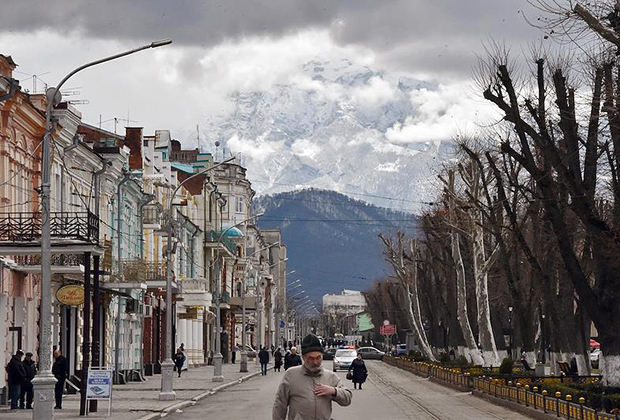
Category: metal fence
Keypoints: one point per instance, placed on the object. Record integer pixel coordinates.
(26, 227)
(537, 399)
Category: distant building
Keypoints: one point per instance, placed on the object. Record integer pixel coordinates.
(349, 302)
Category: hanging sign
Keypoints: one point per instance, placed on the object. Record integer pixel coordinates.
(70, 295)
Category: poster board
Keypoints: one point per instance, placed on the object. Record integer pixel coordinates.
(99, 386)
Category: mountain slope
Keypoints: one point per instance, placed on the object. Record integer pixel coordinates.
(340, 126)
(332, 240)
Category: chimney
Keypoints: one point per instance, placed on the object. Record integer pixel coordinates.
(133, 140)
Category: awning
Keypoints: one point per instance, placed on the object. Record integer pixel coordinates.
(594, 344)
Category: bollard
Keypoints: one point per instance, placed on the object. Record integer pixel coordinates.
(544, 394)
(535, 389)
(569, 398)
(558, 396)
(582, 401)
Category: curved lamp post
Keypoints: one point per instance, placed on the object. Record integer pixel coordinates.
(167, 367)
(44, 382)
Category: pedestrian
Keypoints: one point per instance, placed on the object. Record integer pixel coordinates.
(17, 376)
(263, 357)
(27, 389)
(235, 349)
(59, 370)
(292, 359)
(359, 371)
(306, 392)
(186, 361)
(179, 359)
(277, 360)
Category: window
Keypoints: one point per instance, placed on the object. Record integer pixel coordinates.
(240, 206)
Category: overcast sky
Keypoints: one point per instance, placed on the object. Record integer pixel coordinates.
(220, 47)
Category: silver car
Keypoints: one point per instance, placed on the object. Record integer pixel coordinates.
(371, 353)
(343, 358)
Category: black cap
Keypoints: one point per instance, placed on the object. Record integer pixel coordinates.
(311, 343)
(19, 353)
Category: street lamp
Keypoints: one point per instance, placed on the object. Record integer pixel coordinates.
(166, 392)
(217, 358)
(44, 382)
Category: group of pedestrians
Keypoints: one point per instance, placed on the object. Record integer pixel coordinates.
(291, 359)
(21, 373)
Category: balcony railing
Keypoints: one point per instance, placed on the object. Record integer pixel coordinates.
(64, 260)
(26, 227)
(151, 215)
(213, 237)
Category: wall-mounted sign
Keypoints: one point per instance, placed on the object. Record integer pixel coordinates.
(71, 295)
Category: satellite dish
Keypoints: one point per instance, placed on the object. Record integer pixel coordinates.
(53, 95)
(217, 143)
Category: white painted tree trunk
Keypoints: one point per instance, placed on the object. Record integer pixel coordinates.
(583, 364)
(461, 302)
(416, 321)
(609, 367)
(481, 267)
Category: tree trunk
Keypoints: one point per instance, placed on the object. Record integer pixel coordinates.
(461, 301)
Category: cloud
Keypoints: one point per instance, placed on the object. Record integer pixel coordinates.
(436, 35)
(440, 114)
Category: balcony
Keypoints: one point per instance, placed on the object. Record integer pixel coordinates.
(212, 238)
(71, 232)
(61, 263)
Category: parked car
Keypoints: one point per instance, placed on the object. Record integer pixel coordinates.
(329, 354)
(399, 350)
(343, 358)
(594, 357)
(371, 353)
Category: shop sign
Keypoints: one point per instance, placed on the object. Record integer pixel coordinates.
(70, 295)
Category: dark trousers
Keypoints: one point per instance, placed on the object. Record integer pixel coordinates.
(234, 356)
(26, 395)
(15, 393)
(58, 390)
(263, 368)
(179, 369)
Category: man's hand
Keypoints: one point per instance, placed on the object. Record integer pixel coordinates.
(324, 390)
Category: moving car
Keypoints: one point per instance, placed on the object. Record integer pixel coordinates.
(343, 358)
(400, 350)
(329, 354)
(371, 353)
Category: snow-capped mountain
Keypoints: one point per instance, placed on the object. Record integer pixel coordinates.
(339, 126)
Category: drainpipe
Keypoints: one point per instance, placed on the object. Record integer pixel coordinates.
(76, 141)
(147, 198)
(119, 269)
(13, 87)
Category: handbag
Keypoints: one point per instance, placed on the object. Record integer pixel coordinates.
(349, 375)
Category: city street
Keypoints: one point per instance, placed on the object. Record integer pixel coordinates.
(389, 393)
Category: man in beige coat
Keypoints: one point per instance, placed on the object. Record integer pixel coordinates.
(307, 391)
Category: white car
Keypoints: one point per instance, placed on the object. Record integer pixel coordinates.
(343, 358)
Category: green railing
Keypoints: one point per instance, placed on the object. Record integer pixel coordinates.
(559, 405)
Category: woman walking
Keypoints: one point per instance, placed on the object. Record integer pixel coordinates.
(179, 359)
(359, 371)
(277, 360)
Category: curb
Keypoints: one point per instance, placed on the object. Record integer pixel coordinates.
(183, 404)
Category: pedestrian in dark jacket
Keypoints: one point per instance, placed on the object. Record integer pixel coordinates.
(27, 393)
(179, 360)
(292, 359)
(277, 360)
(59, 370)
(359, 371)
(263, 358)
(17, 376)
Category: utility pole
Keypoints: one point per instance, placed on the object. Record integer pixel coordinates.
(44, 382)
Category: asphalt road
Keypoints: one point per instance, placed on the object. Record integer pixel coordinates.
(389, 393)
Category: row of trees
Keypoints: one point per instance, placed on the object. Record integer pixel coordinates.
(523, 248)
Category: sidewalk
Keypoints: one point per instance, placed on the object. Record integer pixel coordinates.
(139, 399)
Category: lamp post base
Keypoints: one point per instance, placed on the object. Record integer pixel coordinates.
(244, 362)
(167, 382)
(43, 385)
(217, 365)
